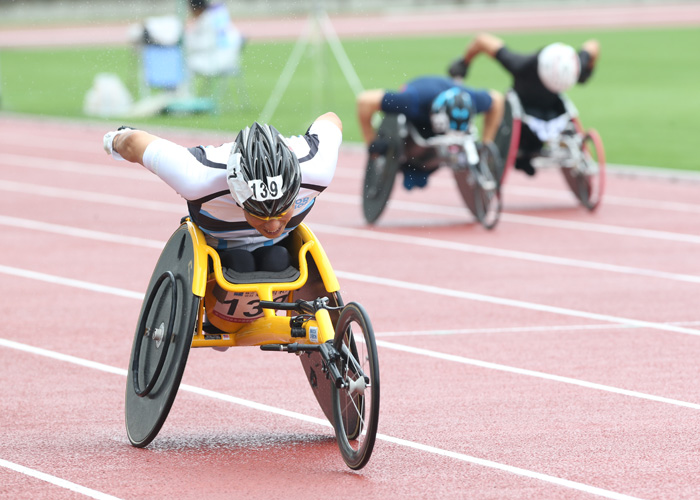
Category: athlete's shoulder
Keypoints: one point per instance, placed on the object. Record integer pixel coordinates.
(212, 154)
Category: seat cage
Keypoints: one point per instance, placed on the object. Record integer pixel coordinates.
(270, 328)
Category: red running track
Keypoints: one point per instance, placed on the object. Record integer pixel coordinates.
(551, 358)
(554, 357)
(614, 14)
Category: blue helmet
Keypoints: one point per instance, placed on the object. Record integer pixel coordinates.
(451, 109)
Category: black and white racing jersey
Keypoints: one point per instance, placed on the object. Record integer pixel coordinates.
(199, 175)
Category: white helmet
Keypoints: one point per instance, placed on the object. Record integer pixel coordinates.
(559, 67)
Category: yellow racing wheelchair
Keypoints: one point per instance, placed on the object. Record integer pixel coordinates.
(194, 302)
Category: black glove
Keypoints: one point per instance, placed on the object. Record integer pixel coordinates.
(458, 69)
(378, 147)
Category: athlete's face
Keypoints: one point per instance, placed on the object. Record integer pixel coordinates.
(272, 227)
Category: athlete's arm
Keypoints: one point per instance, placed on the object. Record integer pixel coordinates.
(368, 103)
(589, 53)
(493, 117)
(331, 117)
(323, 138)
(483, 43)
(131, 144)
(169, 161)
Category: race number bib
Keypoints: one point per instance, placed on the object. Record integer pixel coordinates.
(273, 190)
(239, 307)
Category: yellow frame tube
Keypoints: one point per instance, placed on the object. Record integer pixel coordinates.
(271, 328)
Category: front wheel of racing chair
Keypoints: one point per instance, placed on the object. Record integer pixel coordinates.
(383, 164)
(584, 170)
(480, 187)
(356, 402)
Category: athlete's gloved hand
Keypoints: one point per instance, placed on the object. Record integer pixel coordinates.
(108, 140)
(458, 69)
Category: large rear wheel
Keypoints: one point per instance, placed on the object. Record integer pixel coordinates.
(382, 166)
(585, 174)
(162, 341)
(356, 404)
(480, 187)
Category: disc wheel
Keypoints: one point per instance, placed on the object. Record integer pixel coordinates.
(585, 174)
(356, 404)
(381, 170)
(480, 187)
(161, 342)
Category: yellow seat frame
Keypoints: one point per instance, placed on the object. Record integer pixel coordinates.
(270, 328)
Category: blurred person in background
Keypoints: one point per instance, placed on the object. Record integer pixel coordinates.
(212, 42)
(538, 79)
(416, 100)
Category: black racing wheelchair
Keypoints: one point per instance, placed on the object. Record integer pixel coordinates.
(476, 166)
(560, 142)
(298, 310)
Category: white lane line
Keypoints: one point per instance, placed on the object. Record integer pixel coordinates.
(532, 306)
(511, 329)
(422, 208)
(497, 252)
(77, 232)
(59, 280)
(57, 481)
(404, 285)
(483, 364)
(314, 420)
(527, 219)
(102, 198)
(533, 373)
(124, 171)
(375, 236)
(671, 206)
(514, 329)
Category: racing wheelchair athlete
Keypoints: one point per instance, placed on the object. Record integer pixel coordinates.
(430, 124)
(541, 126)
(242, 269)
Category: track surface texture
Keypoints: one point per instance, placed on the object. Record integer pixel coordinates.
(554, 357)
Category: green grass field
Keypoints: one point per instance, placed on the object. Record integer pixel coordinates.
(643, 98)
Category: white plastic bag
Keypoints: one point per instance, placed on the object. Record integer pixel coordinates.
(108, 97)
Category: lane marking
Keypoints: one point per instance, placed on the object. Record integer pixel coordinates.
(404, 285)
(124, 171)
(56, 481)
(77, 232)
(323, 422)
(671, 206)
(528, 220)
(371, 235)
(143, 204)
(391, 345)
(102, 198)
(533, 373)
(59, 280)
(129, 172)
(515, 329)
(447, 292)
(497, 252)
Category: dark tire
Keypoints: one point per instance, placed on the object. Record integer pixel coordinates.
(382, 167)
(356, 405)
(586, 176)
(162, 341)
(480, 186)
(504, 140)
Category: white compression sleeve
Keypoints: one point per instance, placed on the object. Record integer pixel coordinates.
(181, 171)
